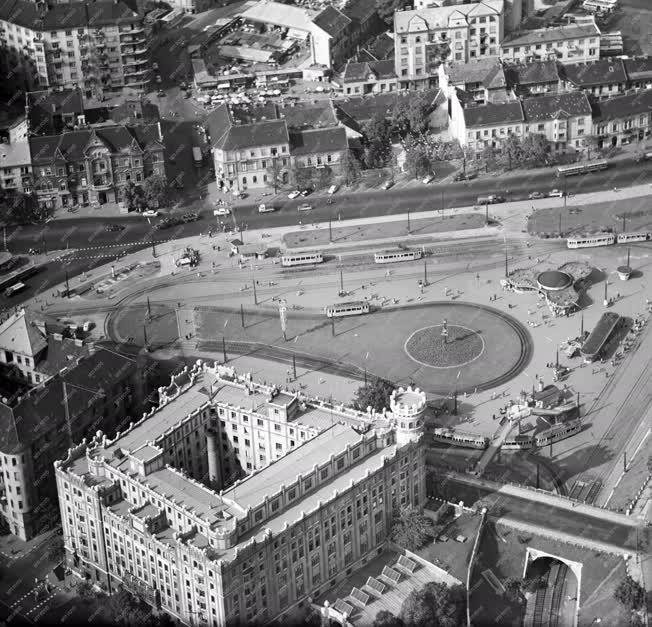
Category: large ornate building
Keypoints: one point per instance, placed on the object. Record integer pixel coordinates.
(322, 483)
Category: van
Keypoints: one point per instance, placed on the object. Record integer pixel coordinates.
(489, 200)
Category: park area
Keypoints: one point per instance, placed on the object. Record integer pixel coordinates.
(384, 229)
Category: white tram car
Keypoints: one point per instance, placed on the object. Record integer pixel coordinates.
(458, 438)
(301, 259)
(392, 256)
(347, 309)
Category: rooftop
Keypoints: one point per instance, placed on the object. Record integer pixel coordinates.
(318, 141)
(588, 74)
(493, 114)
(443, 17)
(639, 68)
(556, 106)
(550, 35)
(368, 70)
(532, 73)
(600, 334)
(19, 334)
(332, 21)
(279, 14)
(622, 106)
(488, 72)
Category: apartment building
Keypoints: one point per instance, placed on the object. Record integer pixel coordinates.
(516, 11)
(427, 37)
(15, 158)
(93, 389)
(251, 147)
(317, 503)
(99, 47)
(624, 119)
(533, 79)
(571, 43)
(94, 165)
(563, 119)
(483, 80)
(639, 72)
(602, 79)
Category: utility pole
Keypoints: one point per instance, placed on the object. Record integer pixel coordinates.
(425, 273)
(365, 375)
(242, 315)
(4, 238)
(145, 341)
(506, 263)
(149, 309)
(625, 461)
(455, 403)
(560, 233)
(557, 359)
(606, 283)
(253, 282)
(624, 222)
(332, 326)
(341, 281)
(330, 230)
(486, 213)
(408, 219)
(582, 325)
(224, 349)
(628, 253)
(154, 251)
(537, 476)
(294, 366)
(67, 286)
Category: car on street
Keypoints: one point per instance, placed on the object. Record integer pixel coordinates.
(222, 211)
(114, 227)
(306, 192)
(429, 179)
(492, 199)
(294, 194)
(305, 207)
(155, 65)
(462, 176)
(263, 208)
(190, 217)
(160, 93)
(167, 223)
(158, 78)
(556, 193)
(332, 189)
(150, 213)
(388, 184)
(536, 195)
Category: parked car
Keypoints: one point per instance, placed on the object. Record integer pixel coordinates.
(190, 217)
(388, 184)
(150, 213)
(305, 207)
(306, 192)
(294, 194)
(490, 200)
(536, 195)
(429, 179)
(263, 208)
(556, 193)
(114, 227)
(332, 189)
(222, 211)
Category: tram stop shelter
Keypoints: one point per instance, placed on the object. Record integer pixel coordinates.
(598, 338)
(561, 287)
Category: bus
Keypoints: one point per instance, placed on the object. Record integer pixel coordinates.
(590, 241)
(582, 168)
(301, 259)
(14, 289)
(558, 432)
(347, 309)
(391, 256)
(623, 238)
(459, 438)
(518, 442)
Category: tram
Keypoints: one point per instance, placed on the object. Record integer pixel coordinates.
(301, 259)
(582, 168)
(392, 256)
(558, 432)
(356, 308)
(458, 438)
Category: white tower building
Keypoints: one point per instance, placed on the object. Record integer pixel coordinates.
(408, 406)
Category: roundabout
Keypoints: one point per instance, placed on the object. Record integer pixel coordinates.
(444, 346)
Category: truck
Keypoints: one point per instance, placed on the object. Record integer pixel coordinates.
(197, 157)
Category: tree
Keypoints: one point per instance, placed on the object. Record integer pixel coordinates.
(19, 208)
(156, 190)
(350, 168)
(303, 177)
(384, 618)
(374, 394)
(274, 174)
(133, 197)
(533, 584)
(489, 158)
(417, 161)
(387, 8)
(56, 550)
(411, 529)
(535, 149)
(378, 144)
(590, 142)
(85, 589)
(630, 594)
(512, 150)
(513, 592)
(435, 605)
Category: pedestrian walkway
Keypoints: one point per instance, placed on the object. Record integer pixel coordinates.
(493, 448)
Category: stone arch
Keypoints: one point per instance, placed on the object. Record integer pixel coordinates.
(534, 554)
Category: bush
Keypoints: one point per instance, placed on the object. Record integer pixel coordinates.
(411, 529)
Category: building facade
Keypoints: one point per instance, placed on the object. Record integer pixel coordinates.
(93, 166)
(317, 505)
(622, 120)
(572, 43)
(483, 81)
(368, 77)
(99, 47)
(427, 37)
(97, 391)
(15, 158)
(516, 11)
(602, 79)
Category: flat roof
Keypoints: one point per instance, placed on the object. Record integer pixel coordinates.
(548, 35)
(300, 461)
(279, 15)
(600, 334)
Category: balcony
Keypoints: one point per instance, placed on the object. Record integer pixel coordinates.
(100, 183)
(131, 31)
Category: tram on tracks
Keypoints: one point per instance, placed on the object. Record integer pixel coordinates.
(356, 308)
(393, 256)
(301, 259)
(458, 438)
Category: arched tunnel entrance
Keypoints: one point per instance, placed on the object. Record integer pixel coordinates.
(553, 595)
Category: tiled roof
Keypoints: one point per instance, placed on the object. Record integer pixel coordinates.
(549, 35)
(41, 410)
(640, 68)
(71, 145)
(622, 106)
(66, 16)
(532, 73)
(555, 106)
(306, 115)
(493, 114)
(599, 72)
(361, 109)
(359, 10)
(441, 17)
(226, 135)
(489, 72)
(355, 72)
(19, 334)
(15, 154)
(318, 141)
(332, 21)
(279, 14)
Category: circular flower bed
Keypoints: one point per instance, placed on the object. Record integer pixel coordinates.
(428, 346)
